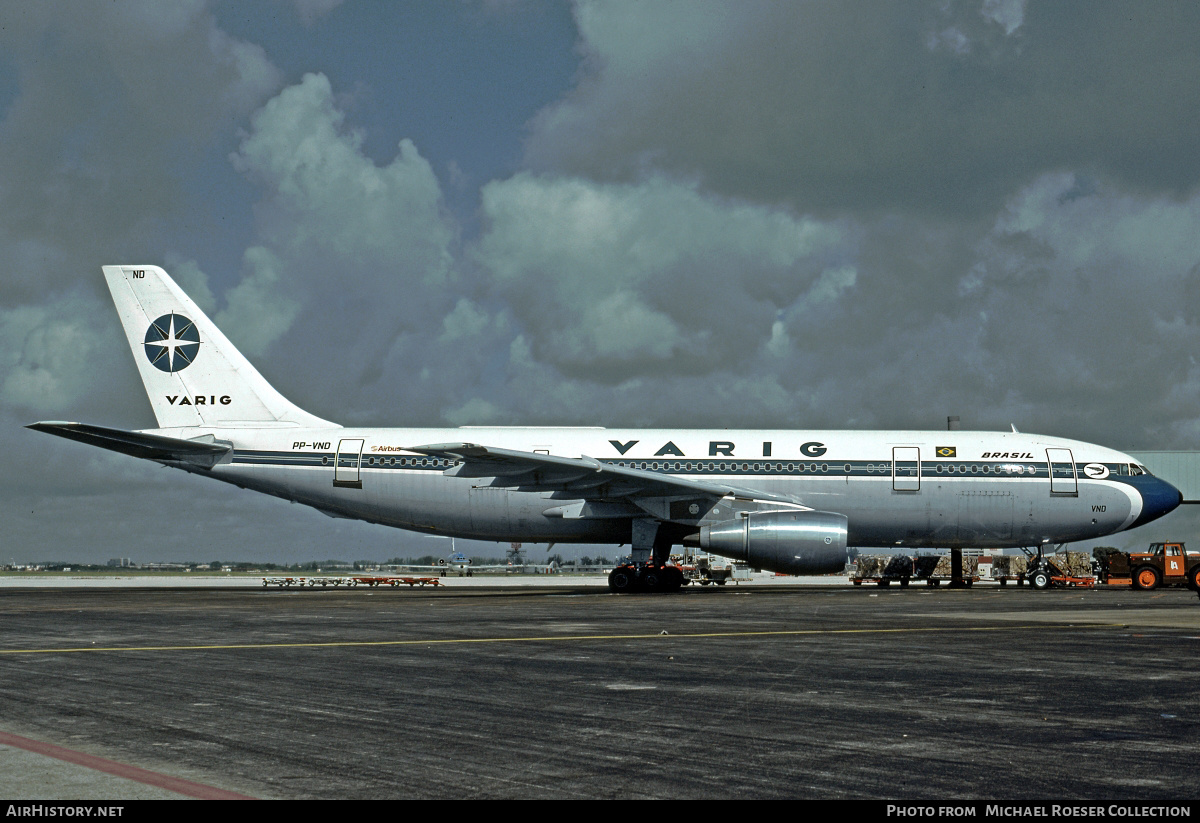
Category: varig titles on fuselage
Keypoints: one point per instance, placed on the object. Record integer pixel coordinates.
(719, 448)
(812, 448)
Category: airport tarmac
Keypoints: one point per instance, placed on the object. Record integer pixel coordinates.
(567, 691)
(56, 580)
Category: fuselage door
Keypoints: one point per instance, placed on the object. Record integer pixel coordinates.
(345, 466)
(906, 468)
(1062, 472)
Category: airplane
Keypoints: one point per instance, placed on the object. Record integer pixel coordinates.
(780, 500)
(456, 562)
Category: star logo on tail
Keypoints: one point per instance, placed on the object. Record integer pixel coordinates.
(172, 342)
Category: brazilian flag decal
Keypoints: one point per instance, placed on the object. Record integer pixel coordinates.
(947, 451)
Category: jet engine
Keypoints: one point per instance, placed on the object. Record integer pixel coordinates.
(789, 542)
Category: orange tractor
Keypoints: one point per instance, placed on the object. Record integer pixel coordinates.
(1165, 564)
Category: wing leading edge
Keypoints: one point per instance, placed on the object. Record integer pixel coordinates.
(599, 485)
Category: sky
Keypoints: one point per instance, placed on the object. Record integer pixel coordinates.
(742, 214)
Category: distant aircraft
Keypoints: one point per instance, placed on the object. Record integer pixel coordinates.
(458, 562)
(785, 501)
(455, 562)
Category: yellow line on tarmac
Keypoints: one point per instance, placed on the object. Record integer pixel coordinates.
(559, 638)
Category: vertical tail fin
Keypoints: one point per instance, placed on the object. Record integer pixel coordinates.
(192, 373)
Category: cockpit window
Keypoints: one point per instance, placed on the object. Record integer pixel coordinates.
(1135, 469)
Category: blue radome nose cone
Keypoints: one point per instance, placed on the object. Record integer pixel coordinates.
(1158, 498)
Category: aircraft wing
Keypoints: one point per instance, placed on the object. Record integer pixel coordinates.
(578, 477)
(205, 453)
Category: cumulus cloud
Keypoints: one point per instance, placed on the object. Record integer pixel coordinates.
(338, 230)
(107, 95)
(1099, 290)
(933, 107)
(260, 308)
(48, 355)
(1008, 13)
(90, 137)
(325, 195)
(614, 280)
(312, 10)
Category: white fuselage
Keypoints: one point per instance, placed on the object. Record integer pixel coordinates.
(896, 488)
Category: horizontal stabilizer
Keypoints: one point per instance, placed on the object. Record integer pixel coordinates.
(205, 454)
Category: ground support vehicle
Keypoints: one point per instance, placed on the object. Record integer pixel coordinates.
(1066, 569)
(287, 582)
(397, 581)
(703, 571)
(1164, 564)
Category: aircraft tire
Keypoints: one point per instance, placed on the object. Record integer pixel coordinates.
(1040, 580)
(621, 581)
(675, 579)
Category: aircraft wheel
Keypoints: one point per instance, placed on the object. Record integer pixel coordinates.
(653, 580)
(621, 581)
(675, 580)
(1040, 580)
(1146, 578)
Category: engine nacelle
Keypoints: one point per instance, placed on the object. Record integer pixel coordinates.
(789, 542)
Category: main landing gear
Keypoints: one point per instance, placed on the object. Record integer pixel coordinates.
(645, 577)
(649, 569)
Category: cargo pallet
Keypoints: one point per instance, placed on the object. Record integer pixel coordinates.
(350, 582)
(905, 581)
